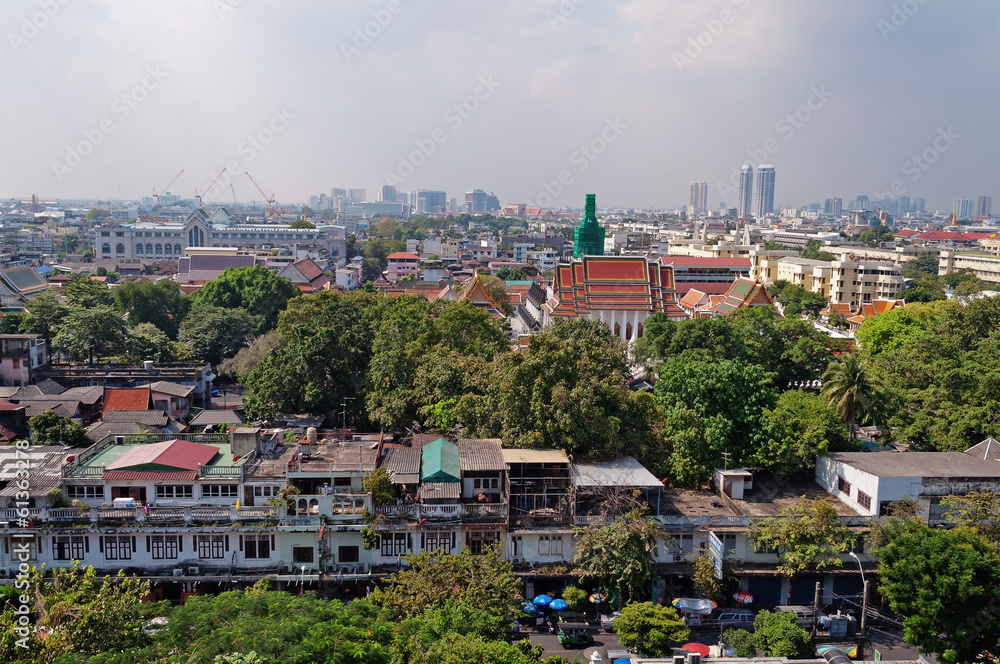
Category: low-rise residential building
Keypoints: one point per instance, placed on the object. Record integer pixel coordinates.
(870, 481)
(402, 264)
(983, 264)
(20, 356)
(856, 283)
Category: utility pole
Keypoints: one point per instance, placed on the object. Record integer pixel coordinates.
(864, 618)
(815, 611)
(343, 414)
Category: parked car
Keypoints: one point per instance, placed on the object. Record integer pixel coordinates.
(738, 618)
(608, 621)
(574, 635)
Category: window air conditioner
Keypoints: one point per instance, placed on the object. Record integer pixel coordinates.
(678, 559)
(194, 571)
(178, 571)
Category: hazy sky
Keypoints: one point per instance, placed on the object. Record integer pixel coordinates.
(112, 98)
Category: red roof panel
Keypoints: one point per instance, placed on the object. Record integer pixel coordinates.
(172, 453)
(126, 399)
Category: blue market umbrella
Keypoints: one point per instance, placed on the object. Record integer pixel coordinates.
(543, 600)
(531, 610)
(558, 605)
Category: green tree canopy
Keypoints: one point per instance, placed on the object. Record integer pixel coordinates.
(91, 332)
(82, 291)
(923, 266)
(565, 390)
(619, 556)
(779, 635)
(158, 302)
(889, 331)
(801, 427)
(807, 536)
(48, 428)
(945, 584)
(650, 629)
(214, 333)
(76, 614)
(261, 292)
(485, 583)
(45, 312)
(712, 407)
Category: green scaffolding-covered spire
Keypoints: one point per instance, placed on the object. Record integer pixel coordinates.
(588, 238)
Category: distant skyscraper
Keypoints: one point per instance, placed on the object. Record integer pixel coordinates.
(387, 194)
(357, 195)
(764, 201)
(431, 201)
(983, 205)
(698, 196)
(833, 206)
(963, 208)
(919, 205)
(746, 191)
(904, 205)
(336, 193)
(588, 237)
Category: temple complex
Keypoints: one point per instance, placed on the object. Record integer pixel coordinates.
(620, 291)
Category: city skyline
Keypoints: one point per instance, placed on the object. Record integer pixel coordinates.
(109, 107)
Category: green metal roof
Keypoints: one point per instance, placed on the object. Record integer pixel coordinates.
(439, 462)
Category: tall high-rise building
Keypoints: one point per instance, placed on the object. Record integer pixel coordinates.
(745, 194)
(336, 193)
(357, 195)
(387, 194)
(431, 201)
(698, 197)
(983, 205)
(919, 205)
(904, 205)
(833, 206)
(963, 208)
(588, 237)
(764, 201)
(478, 201)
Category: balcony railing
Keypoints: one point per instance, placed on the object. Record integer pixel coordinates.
(222, 513)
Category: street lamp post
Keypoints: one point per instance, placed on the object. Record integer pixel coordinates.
(864, 598)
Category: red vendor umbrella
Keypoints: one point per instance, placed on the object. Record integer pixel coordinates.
(699, 648)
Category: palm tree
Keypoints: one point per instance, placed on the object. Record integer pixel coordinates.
(849, 388)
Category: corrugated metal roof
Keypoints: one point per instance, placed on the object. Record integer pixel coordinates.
(403, 464)
(622, 472)
(158, 475)
(156, 418)
(171, 453)
(173, 389)
(439, 462)
(210, 417)
(439, 491)
(534, 456)
(481, 454)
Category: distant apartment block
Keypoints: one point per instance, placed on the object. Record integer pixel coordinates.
(984, 264)
(983, 205)
(431, 201)
(834, 206)
(697, 197)
(764, 192)
(856, 283)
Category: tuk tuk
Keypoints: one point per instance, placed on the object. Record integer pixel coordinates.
(574, 635)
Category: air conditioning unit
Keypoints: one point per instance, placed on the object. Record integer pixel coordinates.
(678, 559)
(194, 571)
(5, 573)
(178, 571)
(286, 569)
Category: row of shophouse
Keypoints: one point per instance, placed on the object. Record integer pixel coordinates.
(214, 511)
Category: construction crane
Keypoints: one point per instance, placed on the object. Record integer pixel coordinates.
(197, 196)
(270, 201)
(236, 205)
(156, 196)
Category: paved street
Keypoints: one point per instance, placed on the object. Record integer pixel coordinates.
(890, 644)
